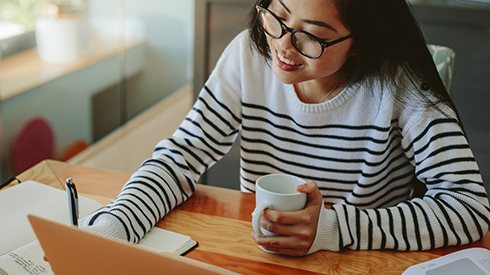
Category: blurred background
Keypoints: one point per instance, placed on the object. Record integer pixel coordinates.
(86, 67)
(73, 72)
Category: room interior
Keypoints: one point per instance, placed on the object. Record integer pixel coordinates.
(145, 61)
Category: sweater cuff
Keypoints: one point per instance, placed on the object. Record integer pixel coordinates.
(327, 232)
(105, 224)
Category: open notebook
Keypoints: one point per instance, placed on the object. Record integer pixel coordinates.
(73, 251)
(21, 253)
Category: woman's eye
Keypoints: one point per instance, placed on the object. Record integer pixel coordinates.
(310, 38)
(281, 17)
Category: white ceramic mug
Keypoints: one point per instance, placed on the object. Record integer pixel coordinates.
(276, 192)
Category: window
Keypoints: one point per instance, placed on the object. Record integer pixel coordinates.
(17, 24)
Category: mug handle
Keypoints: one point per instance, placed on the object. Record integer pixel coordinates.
(256, 217)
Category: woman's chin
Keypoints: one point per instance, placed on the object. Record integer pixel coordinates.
(285, 77)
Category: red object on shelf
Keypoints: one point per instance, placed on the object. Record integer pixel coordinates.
(74, 148)
(34, 143)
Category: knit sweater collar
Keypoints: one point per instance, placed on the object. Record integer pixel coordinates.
(326, 106)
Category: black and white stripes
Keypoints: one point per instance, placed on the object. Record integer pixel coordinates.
(357, 164)
(362, 151)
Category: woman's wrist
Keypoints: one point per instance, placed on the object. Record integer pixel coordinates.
(327, 234)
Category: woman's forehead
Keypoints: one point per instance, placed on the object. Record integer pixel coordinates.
(312, 10)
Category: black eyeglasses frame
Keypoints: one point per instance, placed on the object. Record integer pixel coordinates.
(285, 29)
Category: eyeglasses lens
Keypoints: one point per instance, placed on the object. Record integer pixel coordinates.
(306, 44)
(270, 24)
(302, 41)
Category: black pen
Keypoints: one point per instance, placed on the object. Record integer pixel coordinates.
(72, 195)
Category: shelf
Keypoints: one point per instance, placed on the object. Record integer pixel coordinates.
(24, 71)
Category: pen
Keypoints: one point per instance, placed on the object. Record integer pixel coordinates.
(72, 195)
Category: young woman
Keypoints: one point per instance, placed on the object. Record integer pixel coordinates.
(344, 94)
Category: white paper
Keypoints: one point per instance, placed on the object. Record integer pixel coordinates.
(161, 240)
(470, 261)
(20, 251)
(27, 260)
(34, 198)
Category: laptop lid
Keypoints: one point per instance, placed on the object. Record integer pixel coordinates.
(73, 251)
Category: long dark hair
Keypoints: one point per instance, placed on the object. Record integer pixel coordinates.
(388, 39)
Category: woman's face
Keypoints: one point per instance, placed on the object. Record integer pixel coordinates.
(320, 18)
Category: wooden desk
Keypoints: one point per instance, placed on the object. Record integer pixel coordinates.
(220, 220)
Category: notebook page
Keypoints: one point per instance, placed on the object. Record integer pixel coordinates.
(32, 197)
(161, 240)
(26, 260)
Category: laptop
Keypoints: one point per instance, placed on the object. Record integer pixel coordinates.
(73, 251)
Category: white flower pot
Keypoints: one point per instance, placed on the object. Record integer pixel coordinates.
(62, 40)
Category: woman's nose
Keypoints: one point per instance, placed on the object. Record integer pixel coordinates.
(285, 42)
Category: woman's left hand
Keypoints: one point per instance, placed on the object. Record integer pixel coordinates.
(298, 228)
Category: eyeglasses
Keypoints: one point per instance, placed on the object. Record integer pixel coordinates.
(306, 43)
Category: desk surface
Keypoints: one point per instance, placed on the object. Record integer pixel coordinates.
(220, 220)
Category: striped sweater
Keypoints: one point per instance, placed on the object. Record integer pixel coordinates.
(361, 148)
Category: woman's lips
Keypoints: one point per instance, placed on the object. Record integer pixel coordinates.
(286, 64)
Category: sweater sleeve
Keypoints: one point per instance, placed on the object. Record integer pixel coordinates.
(454, 211)
(168, 178)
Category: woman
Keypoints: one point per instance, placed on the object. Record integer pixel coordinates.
(344, 95)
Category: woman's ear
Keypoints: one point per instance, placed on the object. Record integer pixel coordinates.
(353, 52)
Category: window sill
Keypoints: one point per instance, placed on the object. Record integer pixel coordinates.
(24, 71)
